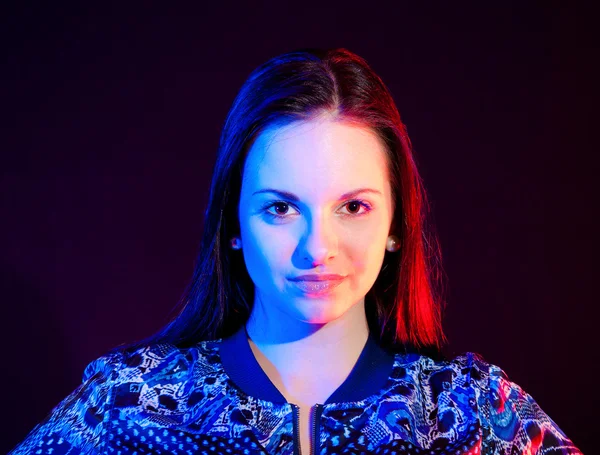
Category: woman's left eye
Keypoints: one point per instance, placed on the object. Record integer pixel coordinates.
(355, 206)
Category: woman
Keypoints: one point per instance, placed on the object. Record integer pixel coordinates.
(311, 324)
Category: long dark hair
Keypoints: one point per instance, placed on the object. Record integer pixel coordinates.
(403, 306)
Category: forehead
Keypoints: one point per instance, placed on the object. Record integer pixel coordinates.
(317, 157)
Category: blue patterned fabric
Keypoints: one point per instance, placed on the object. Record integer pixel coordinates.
(164, 400)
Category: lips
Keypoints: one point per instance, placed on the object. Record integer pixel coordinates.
(318, 277)
(317, 284)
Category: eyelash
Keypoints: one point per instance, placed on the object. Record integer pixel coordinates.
(270, 205)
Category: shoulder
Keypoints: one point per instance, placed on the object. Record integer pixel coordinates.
(160, 381)
(447, 388)
(155, 363)
(468, 369)
(487, 382)
(144, 384)
(511, 420)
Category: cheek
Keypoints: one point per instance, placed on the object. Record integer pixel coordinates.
(267, 251)
(365, 248)
(367, 260)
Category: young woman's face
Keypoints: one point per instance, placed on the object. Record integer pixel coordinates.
(315, 200)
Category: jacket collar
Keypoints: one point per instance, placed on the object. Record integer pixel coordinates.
(368, 377)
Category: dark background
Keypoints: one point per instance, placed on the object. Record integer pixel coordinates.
(110, 123)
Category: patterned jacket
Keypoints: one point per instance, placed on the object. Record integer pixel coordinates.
(214, 398)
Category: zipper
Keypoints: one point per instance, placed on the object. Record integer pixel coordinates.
(296, 428)
(316, 429)
(315, 412)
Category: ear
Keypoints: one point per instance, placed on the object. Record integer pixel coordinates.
(397, 219)
(394, 228)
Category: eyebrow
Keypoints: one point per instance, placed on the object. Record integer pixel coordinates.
(293, 197)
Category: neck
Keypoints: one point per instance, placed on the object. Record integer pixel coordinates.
(307, 360)
(281, 331)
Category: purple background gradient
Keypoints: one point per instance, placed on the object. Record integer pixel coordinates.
(110, 124)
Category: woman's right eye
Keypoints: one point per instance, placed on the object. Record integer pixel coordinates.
(279, 209)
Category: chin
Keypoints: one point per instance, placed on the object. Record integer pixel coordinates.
(321, 311)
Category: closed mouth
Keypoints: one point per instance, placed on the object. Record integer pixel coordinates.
(317, 277)
(317, 287)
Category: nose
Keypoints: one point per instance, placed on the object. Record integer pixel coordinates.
(320, 243)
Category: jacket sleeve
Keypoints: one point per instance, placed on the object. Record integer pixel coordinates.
(515, 424)
(77, 425)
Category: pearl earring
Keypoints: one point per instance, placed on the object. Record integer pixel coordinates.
(235, 243)
(392, 244)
